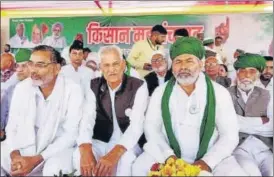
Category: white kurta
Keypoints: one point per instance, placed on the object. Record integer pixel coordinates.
(56, 43)
(269, 86)
(57, 132)
(128, 139)
(186, 116)
(17, 42)
(253, 155)
(134, 73)
(82, 76)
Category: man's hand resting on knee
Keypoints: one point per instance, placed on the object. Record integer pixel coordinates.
(87, 160)
(23, 165)
(107, 164)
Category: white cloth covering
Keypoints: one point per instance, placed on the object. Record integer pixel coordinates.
(60, 125)
(186, 115)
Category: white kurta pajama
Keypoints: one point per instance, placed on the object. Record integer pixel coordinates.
(253, 155)
(186, 117)
(82, 76)
(46, 127)
(128, 139)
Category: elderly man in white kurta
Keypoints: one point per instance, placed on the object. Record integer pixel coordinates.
(44, 117)
(56, 40)
(186, 118)
(19, 40)
(113, 120)
(254, 108)
(75, 70)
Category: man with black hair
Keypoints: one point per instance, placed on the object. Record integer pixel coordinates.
(266, 78)
(141, 51)
(43, 122)
(75, 70)
(182, 32)
(86, 51)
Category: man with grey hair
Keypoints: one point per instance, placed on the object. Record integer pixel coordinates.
(19, 39)
(254, 108)
(56, 40)
(160, 74)
(113, 119)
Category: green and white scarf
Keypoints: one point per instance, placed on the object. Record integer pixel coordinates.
(208, 122)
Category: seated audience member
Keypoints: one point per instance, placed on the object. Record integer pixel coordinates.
(43, 119)
(186, 107)
(160, 74)
(113, 119)
(266, 78)
(254, 108)
(212, 70)
(8, 76)
(75, 70)
(22, 72)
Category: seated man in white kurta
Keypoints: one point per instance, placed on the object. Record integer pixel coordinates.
(254, 108)
(43, 121)
(113, 119)
(75, 70)
(187, 119)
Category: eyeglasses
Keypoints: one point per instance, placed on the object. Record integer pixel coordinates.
(211, 64)
(39, 65)
(158, 60)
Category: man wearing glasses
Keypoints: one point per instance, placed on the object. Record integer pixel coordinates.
(22, 72)
(254, 108)
(161, 74)
(212, 68)
(75, 70)
(43, 121)
(56, 40)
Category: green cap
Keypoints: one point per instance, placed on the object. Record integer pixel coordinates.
(22, 55)
(187, 45)
(208, 41)
(249, 60)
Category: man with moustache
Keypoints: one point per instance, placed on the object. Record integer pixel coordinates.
(43, 121)
(139, 56)
(75, 70)
(22, 72)
(186, 118)
(254, 108)
(56, 40)
(212, 68)
(161, 74)
(113, 120)
(266, 78)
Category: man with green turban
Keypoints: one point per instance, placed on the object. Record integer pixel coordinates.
(186, 118)
(254, 108)
(22, 72)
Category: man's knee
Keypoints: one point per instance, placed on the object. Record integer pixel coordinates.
(62, 162)
(248, 165)
(229, 167)
(142, 164)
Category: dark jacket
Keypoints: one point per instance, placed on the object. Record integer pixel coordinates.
(152, 80)
(124, 99)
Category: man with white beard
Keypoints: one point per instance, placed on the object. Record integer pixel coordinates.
(254, 108)
(56, 40)
(186, 118)
(161, 74)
